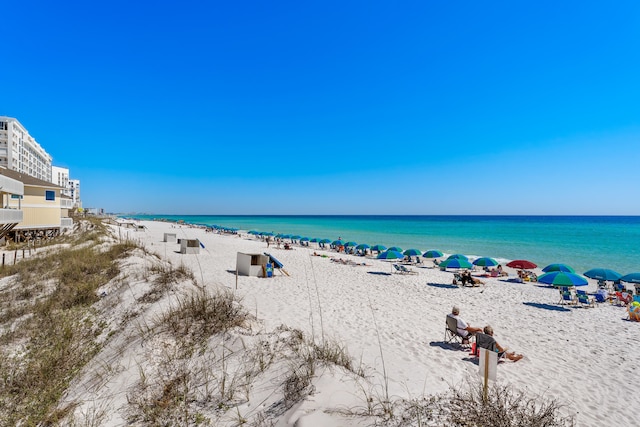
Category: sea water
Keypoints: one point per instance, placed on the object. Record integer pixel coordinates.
(583, 242)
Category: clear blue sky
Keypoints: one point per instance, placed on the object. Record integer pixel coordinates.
(333, 107)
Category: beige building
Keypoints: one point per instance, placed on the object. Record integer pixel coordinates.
(20, 152)
(45, 210)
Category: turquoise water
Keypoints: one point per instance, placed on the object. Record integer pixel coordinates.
(583, 242)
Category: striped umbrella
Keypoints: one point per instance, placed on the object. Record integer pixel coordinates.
(378, 248)
(563, 279)
(362, 246)
(455, 263)
(485, 262)
(346, 245)
(389, 254)
(432, 254)
(458, 256)
(337, 243)
(412, 252)
(395, 248)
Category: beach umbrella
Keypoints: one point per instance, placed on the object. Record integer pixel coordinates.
(389, 254)
(324, 241)
(432, 254)
(362, 246)
(350, 244)
(285, 236)
(558, 267)
(314, 240)
(631, 278)
(304, 239)
(458, 256)
(378, 248)
(603, 274)
(485, 262)
(522, 264)
(563, 279)
(412, 252)
(455, 263)
(337, 243)
(395, 248)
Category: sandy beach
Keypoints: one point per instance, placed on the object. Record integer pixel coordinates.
(394, 325)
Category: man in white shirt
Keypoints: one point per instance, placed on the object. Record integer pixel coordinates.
(464, 329)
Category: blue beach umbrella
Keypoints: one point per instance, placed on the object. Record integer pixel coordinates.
(304, 239)
(412, 252)
(362, 246)
(562, 279)
(346, 245)
(389, 255)
(295, 237)
(314, 240)
(432, 254)
(455, 263)
(631, 278)
(458, 256)
(337, 243)
(603, 274)
(485, 262)
(395, 248)
(558, 267)
(378, 248)
(325, 241)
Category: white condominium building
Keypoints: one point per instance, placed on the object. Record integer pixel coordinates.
(74, 192)
(20, 152)
(60, 177)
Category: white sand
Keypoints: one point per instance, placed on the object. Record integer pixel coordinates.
(584, 357)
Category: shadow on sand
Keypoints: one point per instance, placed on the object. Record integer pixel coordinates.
(379, 273)
(446, 346)
(546, 306)
(443, 285)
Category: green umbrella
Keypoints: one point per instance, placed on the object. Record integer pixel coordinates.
(458, 256)
(378, 248)
(362, 246)
(350, 244)
(395, 248)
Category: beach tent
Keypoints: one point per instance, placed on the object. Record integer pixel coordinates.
(189, 246)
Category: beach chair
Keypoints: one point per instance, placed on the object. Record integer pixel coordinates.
(623, 298)
(401, 269)
(566, 297)
(584, 299)
(451, 334)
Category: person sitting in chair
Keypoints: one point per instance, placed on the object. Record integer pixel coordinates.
(502, 351)
(464, 329)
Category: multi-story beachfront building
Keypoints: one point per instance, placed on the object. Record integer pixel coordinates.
(74, 192)
(20, 152)
(60, 177)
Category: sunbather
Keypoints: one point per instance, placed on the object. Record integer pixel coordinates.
(502, 351)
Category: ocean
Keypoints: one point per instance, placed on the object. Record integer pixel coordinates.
(583, 242)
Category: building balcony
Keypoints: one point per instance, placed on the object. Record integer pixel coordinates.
(10, 216)
(66, 222)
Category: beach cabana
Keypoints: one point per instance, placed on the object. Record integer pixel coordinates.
(252, 264)
(189, 246)
(170, 237)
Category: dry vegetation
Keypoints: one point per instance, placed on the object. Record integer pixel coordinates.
(205, 356)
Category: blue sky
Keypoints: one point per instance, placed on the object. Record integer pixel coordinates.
(361, 107)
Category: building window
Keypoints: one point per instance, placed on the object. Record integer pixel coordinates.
(49, 195)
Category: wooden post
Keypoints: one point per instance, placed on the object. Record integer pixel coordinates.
(486, 379)
(236, 279)
(3, 260)
(15, 257)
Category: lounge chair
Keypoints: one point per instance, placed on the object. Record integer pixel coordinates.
(584, 299)
(451, 334)
(403, 270)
